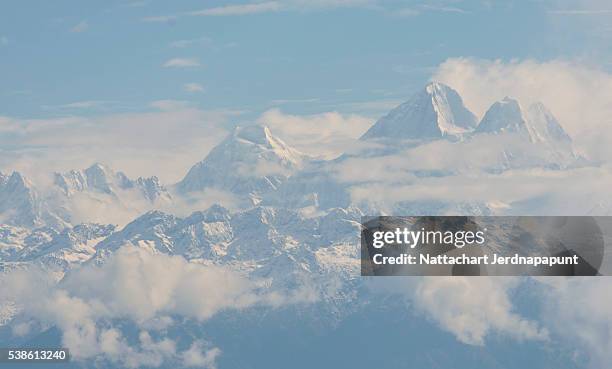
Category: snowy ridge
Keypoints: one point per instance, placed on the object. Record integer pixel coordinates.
(537, 122)
(100, 178)
(297, 227)
(22, 205)
(251, 161)
(296, 210)
(435, 112)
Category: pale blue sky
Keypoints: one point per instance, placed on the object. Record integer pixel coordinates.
(78, 58)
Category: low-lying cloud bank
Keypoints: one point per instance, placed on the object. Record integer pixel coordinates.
(471, 308)
(164, 141)
(147, 289)
(579, 311)
(570, 313)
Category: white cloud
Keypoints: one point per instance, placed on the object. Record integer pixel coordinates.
(4, 40)
(280, 5)
(535, 192)
(82, 26)
(406, 12)
(444, 9)
(139, 286)
(579, 311)
(104, 209)
(261, 7)
(193, 87)
(580, 12)
(242, 9)
(165, 143)
(160, 19)
(579, 8)
(170, 105)
(293, 101)
(86, 104)
(184, 205)
(182, 63)
(190, 42)
(325, 134)
(309, 5)
(198, 356)
(372, 108)
(578, 95)
(473, 307)
(478, 156)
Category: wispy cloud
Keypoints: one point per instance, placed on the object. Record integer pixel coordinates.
(249, 8)
(326, 134)
(406, 12)
(589, 323)
(150, 142)
(160, 19)
(179, 44)
(242, 9)
(135, 4)
(87, 104)
(182, 63)
(444, 9)
(170, 105)
(293, 101)
(4, 40)
(580, 12)
(82, 26)
(193, 87)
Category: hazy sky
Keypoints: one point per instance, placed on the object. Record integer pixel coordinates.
(149, 87)
(64, 58)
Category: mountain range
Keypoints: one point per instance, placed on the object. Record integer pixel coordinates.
(264, 172)
(296, 217)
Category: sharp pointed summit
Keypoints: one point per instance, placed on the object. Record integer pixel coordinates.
(536, 122)
(436, 111)
(529, 137)
(249, 161)
(503, 116)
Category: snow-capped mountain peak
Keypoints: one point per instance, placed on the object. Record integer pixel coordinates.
(527, 137)
(251, 160)
(261, 136)
(434, 112)
(503, 116)
(256, 134)
(97, 177)
(21, 205)
(17, 181)
(545, 125)
(537, 122)
(102, 179)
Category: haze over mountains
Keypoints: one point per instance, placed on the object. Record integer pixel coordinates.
(257, 168)
(252, 162)
(294, 219)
